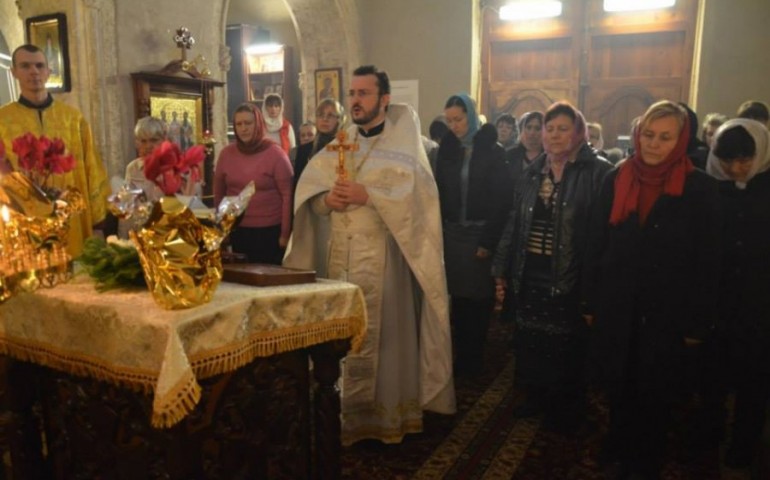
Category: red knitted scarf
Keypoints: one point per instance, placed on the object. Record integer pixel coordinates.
(639, 185)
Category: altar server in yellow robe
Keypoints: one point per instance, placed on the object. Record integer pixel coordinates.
(37, 112)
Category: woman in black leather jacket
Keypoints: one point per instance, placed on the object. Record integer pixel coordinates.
(539, 260)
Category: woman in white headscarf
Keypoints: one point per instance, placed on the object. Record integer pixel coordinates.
(740, 159)
(277, 128)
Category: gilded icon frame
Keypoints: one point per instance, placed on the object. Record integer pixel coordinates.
(49, 33)
(328, 80)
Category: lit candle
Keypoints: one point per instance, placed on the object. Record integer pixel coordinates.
(6, 216)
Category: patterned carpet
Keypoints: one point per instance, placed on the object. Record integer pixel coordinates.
(484, 441)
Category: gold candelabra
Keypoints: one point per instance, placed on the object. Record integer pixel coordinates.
(33, 246)
(25, 265)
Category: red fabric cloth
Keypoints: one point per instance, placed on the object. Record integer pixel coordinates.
(639, 185)
(284, 133)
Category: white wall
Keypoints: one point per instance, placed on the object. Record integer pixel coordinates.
(428, 40)
(734, 60)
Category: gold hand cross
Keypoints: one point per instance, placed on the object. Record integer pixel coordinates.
(341, 147)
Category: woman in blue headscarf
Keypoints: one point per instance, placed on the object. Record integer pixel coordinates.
(474, 185)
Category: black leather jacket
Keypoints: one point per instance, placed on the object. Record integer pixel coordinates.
(581, 181)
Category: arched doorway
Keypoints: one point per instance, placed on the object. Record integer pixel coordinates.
(326, 35)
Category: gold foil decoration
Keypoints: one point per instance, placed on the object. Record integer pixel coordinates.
(180, 271)
(180, 253)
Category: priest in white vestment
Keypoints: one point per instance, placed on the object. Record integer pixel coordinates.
(381, 229)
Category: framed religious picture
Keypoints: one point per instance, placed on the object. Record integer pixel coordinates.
(49, 33)
(185, 104)
(182, 116)
(328, 84)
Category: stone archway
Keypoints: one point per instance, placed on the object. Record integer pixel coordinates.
(329, 36)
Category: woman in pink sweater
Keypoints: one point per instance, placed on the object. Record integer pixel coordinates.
(266, 225)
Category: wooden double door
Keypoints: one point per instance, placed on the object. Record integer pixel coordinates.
(612, 66)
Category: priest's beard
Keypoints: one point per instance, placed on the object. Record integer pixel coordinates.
(368, 115)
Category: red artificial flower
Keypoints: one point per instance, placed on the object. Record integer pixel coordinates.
(166, 165)
(193, 157)
(27, 148)
(41, 157)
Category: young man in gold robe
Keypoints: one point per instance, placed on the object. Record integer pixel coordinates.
(38, 113)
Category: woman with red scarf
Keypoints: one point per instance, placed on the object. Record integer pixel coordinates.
(266, 225)
(651, 279)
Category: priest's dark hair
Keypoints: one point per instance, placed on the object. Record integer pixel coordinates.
(27, 47)
(383, 82)
(735, 142)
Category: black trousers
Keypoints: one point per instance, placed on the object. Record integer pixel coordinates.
(637, 433)
(752, 392)
(470, 322)
(260, 244)
(639, 417)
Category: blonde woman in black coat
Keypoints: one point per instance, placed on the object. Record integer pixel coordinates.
(651, 277)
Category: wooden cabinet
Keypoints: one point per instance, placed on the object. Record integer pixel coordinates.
(258, 68)
(238, 38)
(269, 72)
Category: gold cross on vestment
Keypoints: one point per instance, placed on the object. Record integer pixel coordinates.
(341, 147)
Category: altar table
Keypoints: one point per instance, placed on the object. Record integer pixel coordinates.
(109, 385)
